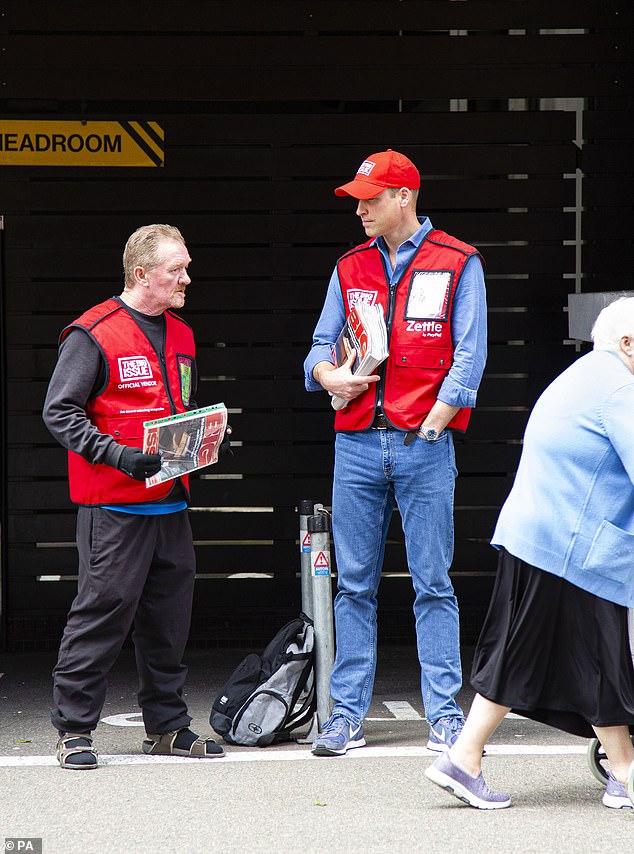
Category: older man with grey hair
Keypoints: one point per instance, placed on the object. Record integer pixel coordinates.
(122, 362)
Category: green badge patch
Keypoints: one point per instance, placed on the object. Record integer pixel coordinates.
(185, 372)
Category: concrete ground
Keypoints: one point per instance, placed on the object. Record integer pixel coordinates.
(281, 798)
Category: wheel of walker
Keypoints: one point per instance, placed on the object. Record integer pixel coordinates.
(598, 761)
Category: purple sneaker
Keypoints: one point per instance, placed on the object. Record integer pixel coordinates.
(472, 790)
(615, 795)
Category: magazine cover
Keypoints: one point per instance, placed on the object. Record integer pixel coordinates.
(364, 332)
(185, 442)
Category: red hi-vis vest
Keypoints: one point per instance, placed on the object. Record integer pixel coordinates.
(418, 316)
(140, 386)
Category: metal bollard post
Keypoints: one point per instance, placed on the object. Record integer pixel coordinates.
(305, 508)
(319, 527)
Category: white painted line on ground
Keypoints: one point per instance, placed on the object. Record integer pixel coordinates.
(129, 719)
(262, 755)
(402, 710)
(416, 717)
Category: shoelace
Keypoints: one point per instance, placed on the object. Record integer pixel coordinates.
(333, 725)
(452, 724)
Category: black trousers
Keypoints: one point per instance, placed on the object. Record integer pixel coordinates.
(134, 571)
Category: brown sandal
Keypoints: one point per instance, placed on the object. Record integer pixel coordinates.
(162, 744)
(65, 751)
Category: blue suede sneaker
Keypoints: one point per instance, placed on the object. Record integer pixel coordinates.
(472, 790)
(338, 735)
(615, 795)
(444, 732)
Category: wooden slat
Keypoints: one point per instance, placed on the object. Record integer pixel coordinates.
(281, 559)
(608, 190)
(411, 126)
(606, 157)
(122, 190)
(295, 459)
(504, 325)
(158, 16)
(280, 491)
(495, 159)
(26, 426)
(613, 223)
(284, 458)
(250, 491)
(616, 258)
(297, 328)
(45, 599)
(608, 124)
(37, 365)
(155, 83)
(262, 327)
(306, 295)
(215, 527)
(263, 263)
(490, 420)
(268, 227)
(213, 54)
(281, 524)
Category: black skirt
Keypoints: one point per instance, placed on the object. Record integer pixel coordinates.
(554, 653)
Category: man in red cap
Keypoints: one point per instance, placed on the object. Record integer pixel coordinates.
(394, 443)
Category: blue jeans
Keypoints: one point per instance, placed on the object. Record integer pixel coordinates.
(374, 471)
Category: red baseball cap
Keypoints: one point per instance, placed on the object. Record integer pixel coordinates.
(380, 171)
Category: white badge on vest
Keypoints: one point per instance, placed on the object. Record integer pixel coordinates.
(428, 297)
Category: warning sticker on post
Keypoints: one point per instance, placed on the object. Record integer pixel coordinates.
(321, 564)
(304, 546)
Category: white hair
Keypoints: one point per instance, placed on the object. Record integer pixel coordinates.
(142, 248)
(613, 322)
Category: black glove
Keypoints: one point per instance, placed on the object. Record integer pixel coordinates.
(138, 465)
(225, 445)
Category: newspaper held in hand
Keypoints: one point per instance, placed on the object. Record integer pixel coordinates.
(364, 332)
(185, 442)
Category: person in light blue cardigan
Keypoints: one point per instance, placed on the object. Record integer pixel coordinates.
(554, 646)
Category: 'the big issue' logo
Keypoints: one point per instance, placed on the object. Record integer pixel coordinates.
(133, 368)
(356, 295)
(366, 167)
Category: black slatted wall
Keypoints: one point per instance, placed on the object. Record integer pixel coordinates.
(517, 114)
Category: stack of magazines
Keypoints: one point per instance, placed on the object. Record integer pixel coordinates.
(185, 442)
(364, 332)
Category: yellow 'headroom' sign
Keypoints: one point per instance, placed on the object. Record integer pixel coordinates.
(78, 143)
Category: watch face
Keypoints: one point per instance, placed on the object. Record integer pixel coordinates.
(431, 434)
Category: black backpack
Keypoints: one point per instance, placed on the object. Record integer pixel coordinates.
(268, 696)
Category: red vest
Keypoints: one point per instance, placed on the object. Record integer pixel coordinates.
(140, 386)
(418, 317)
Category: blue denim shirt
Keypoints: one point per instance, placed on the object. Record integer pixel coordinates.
(468, 323)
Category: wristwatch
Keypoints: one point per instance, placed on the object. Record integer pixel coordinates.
(429, 433)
